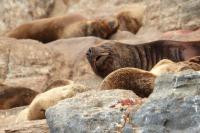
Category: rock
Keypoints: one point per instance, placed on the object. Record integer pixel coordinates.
(47, 99)
(173, 105)
(14, 13)
(8, 116)
(88, 112)
(74, 51)
(182, 84)
(39, 126)
(35, 68)
(172, 15)
(122, 35)
(94, 8)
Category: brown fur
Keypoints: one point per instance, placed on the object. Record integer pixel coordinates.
(110, 56)
(11, 97)
(50, 29)
(166, 66)
(139, 81)
(128, 22)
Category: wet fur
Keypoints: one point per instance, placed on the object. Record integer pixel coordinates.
(139, 81)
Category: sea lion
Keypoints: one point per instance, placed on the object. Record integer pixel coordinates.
(142, 82)
(168, 66)
(36, 110)
(139, 81)
(58, 83)
(72, 25)
(111, 55)
(11, 97)
(129, 22)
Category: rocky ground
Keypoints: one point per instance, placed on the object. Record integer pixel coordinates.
(74, 103)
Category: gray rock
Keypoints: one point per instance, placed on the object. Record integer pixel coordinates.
(88, 112)
(173, 113)
(174, 105)
(16, 12)
(29, 64)
(186, 83)
(174, 14)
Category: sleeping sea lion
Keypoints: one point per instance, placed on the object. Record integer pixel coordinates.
(139, 81)
(72, 25)
(110, 55)
(11, 97)
(168, 66)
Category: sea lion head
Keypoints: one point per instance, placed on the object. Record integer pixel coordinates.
(102, 27)
(107, 57)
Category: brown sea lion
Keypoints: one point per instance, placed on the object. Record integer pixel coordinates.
(142, 82)
(11, 97)
(73, 25)
(139, 81)
(166, 66)
(128, 22)
(110, 55)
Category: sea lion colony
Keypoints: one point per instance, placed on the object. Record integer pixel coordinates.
(110, 55)
(72, 25)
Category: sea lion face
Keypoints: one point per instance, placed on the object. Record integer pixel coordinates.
(104, 58)
(102, 27)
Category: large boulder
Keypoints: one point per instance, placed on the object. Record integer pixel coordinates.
(173, 105)
(29, 64)
(14, 13)
(74, 51)
(93, 8)
(39, 126)
(89, 112)
(172, 15)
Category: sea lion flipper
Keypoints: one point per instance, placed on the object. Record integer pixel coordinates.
(195, 59)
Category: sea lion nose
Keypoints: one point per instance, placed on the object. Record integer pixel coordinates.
(89, 52)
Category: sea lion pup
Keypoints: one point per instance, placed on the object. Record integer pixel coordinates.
(73, 25)
(139, 81)
(111, 55)
(36, 110)
(166, 66)
(11, 97)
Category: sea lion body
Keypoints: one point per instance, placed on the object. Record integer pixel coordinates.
(11, 97)
(139, 81)
(168, 66)
(72, 25)
(110, 56)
